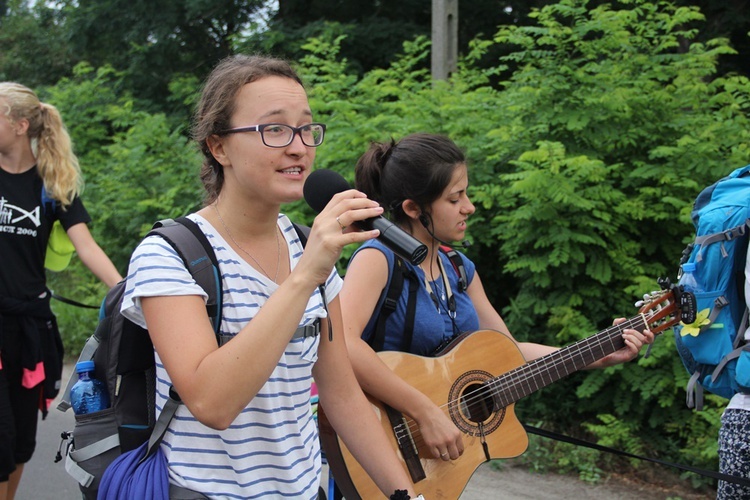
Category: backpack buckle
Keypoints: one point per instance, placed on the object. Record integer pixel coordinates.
(390, 304)
(735, 232)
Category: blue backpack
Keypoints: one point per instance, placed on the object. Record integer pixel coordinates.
(713, 348)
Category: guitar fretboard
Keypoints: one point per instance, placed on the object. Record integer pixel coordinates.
(541, 372)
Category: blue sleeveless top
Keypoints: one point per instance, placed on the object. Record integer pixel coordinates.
(430, 327)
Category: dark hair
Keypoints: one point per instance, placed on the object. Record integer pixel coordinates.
(418, 167)
(217, 105)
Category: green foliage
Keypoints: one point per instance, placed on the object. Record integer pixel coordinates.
(33, 49)
(154, 42)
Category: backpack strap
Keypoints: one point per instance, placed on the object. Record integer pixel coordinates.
(200, 260)
(727, 235)
(49, 204)
(392, 295)
(458, 265)
(739, 338)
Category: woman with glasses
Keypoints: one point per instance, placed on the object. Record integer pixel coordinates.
(246, 429)
(423, 179)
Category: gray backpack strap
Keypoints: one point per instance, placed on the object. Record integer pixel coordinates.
(160, 427)
(729, 234)
(742, 330)
(738, 339)
(694, 391)
(200, 260)
(307, 331)
(726, 359)
(720, 303)
(95, 449)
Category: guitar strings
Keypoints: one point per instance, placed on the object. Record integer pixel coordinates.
(534, 367)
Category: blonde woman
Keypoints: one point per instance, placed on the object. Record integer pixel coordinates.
(35, 156)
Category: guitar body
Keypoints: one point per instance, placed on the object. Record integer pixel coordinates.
(451, 377)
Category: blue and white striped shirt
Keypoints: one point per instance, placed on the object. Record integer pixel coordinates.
(271, 450)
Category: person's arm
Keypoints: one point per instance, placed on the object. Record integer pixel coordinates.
(351, 415)
(366, 277)
(489, 318)
(92, 255)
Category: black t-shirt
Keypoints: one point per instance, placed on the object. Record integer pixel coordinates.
(25, 226)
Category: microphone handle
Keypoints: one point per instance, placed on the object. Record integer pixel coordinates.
(396, 239)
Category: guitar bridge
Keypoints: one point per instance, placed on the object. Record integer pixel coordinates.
(406, 444)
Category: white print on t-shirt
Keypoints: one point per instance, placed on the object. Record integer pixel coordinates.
(6, 214)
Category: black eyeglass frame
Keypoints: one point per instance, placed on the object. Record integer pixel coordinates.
(295, 131)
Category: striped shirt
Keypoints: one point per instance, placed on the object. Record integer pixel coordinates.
(271, 450)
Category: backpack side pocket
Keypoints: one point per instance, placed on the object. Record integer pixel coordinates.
(96, 443)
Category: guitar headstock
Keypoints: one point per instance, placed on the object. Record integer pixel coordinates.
(666, 307)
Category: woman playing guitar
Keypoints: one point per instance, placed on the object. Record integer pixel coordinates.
(422, 181)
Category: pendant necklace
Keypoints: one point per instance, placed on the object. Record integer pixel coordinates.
(278, 247)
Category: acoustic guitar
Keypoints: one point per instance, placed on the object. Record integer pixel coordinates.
(477, 379)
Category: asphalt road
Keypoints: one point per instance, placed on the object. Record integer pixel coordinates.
(43, 479)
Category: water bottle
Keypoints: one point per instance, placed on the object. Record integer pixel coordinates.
(89, 394)
(688, 279)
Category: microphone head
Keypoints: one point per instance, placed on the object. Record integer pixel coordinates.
(320, 187)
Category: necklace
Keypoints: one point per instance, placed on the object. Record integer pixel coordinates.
(278, 247)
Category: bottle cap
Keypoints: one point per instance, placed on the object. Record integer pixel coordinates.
(688, 267)
(84, 366)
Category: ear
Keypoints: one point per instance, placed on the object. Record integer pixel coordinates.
(216, 146)
(411, 209)
(22, 126)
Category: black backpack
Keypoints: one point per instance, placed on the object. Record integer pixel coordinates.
(400, 272)
(124, 358)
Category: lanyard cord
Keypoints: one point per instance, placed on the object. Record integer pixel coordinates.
(451, 300)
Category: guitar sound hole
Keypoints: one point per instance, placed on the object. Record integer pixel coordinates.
(477, 403)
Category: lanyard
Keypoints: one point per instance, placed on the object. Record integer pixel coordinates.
(449, 293)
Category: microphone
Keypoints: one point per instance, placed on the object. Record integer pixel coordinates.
(425, 221)
(323, 184)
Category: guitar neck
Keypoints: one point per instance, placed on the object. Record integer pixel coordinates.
(541, 372)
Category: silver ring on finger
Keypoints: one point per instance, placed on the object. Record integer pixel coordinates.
(340, 224)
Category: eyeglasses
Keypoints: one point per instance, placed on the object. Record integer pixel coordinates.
(278, 135)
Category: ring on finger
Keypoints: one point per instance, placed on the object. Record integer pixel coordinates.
(340, 224)
(444, 454)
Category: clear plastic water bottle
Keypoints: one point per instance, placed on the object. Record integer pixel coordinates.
(89, 394)
(688, 279)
